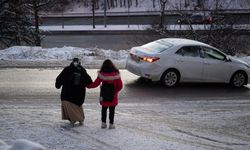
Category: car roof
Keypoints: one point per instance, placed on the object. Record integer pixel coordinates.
(182, 42)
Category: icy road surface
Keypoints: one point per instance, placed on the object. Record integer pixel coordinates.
(188, 117)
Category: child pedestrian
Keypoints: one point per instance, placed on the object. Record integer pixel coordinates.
(111, 83)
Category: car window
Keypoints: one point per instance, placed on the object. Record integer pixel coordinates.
(157, 46)
(212, 54)
(191, 51)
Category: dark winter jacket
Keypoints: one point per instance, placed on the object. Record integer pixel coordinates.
(112, 77)
(73, 81)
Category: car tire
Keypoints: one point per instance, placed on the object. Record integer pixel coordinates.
(238, 79)
(170, 78)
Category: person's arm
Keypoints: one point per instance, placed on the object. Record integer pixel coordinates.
(95, 84)
(86, 78)
(59, 79)
(119, 84)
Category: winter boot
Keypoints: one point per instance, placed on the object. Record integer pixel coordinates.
(104, 125)
(80, 123)
(72, 123)
(111, 126)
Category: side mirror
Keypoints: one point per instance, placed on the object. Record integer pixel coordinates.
(227, 59)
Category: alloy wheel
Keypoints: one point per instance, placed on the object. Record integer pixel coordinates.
(171, 78)
(238, 79)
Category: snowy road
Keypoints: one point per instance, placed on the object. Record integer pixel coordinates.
(190, 117)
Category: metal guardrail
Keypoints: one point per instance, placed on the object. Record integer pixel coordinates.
(125, 13)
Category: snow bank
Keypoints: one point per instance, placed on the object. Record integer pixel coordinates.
(92, 58)
(21, 144)
(64, 53)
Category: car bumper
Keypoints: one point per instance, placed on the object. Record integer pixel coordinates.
(143, 69)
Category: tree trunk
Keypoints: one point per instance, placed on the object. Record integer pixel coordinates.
(108, 4)
(120, 3)
(200, 3)
(37, 34)
(116, 3)
(17, 40)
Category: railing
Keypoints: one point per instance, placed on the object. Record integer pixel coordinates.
(125, 13)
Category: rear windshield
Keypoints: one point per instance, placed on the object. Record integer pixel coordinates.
(157, 46)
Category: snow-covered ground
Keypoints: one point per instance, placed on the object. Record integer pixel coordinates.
(169, 125)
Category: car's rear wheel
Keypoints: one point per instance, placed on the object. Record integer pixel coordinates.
(170, 78)
(238, 79)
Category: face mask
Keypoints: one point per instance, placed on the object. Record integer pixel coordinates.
(75, 64)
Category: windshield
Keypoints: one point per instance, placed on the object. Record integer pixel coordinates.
(157, 46)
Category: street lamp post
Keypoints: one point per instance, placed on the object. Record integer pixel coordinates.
(105, 15)
(128, 14)
(62, 15)
(93, 13)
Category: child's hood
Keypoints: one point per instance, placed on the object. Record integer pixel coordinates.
(108, 76)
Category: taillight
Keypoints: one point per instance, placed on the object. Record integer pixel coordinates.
(147, 59)
(150, 59)
(210, 19)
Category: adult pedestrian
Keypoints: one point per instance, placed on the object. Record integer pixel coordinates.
(73, 79)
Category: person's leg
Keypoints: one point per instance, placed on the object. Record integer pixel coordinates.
(111, 117)
(81, 121)
(104, 117)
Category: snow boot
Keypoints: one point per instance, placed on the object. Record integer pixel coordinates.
(111, 126)
(104, 125)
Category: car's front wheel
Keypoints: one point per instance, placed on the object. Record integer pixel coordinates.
(238, 79)
(170, 78)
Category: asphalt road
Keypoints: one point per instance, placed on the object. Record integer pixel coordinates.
(135, 19)
(30, 84)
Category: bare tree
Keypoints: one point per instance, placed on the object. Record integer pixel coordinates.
(121, 3)
(200, 3)
(219, 33)
(15, 24)
(37, 6)
(153, 3)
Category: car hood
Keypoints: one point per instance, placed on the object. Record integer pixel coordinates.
(238, 60)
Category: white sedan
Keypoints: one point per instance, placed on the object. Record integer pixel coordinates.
(174, 60)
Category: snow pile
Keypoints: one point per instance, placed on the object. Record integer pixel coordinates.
(22, 144)
(64, 53)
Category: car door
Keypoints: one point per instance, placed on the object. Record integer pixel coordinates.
(216, 68)
(189, 63)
